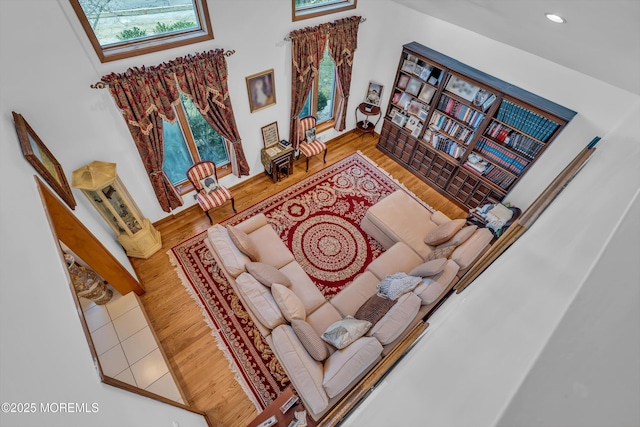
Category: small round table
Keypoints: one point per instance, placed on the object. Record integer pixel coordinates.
(369, 111)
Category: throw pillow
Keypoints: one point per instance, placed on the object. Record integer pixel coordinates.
(397, 284)
(374, 309)
(343, 332)
(310, 135)
(267, 274)
(209, 184)
(243, 242)
(460, 237)
(288, 302)
(441, 253)
(444, 232)
(429, 268)
(310, 340)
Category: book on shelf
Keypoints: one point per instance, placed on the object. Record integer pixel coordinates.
(460, 111)
(529, 122)
(501, 155)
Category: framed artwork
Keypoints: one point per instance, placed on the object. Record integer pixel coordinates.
(414, 107)
(399, 119)
(261, 90)
(423, 113)
(427, 93)
(270, 135)
(374, 92)
(462, 88)
(42, 160)
(414, 86)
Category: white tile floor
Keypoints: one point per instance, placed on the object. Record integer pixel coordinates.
(126, 346)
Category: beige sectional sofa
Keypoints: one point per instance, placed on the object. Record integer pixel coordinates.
(294, 314)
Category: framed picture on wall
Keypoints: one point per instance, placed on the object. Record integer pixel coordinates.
(42, 160)
(261, 89)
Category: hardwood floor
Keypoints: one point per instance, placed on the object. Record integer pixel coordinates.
(200, 367)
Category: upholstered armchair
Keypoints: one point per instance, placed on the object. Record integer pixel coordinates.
(209, 193)
(308, 144)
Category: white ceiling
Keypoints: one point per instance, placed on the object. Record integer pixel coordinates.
(601, 38)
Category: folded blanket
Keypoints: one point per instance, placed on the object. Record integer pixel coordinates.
(397, 284)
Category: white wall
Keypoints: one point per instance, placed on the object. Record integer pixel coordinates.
(47, 67)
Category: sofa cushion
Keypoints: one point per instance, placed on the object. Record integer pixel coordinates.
(305, 373)
(374, 309)
(444, 232)
(351, 298)
(344, 366)
(440, 253)
(267, 274)
(429, 268)
(303, 286)
(243, 242)
(397, 284)
(259, 300)
(401, 218)
(343, 332)
(432, 287)
(310, 339)
(399, 257)
(465, 254)
(271, 248)
(460, 237)
(232, 259)
(397, 319)
(288, 302)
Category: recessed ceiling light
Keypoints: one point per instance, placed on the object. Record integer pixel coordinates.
(555, 18)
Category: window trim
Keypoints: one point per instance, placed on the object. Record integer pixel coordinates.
(128, 49)
(312, 12)
(184, 187)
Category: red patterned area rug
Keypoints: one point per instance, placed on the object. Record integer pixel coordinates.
(317, 218)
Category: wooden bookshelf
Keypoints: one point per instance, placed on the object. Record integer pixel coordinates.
(466, 133)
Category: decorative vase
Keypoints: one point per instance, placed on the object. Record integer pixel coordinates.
(87, 283)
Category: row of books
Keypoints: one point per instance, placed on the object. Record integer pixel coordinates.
(460, 111)
(527, 121)
(449, 146)
(501, 155)
(521, 143)
(498, 176)
(451, 127)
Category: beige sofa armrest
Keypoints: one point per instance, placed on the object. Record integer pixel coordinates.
(306, 374)
(469, 251)
(252, 224)
(439, 218)
(345, 366)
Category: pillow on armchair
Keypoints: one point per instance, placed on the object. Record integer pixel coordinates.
(310, 135)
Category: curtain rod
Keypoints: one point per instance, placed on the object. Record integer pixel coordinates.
(103, 85)
(288, 37)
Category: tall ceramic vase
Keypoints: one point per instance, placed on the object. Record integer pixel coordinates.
(87, 283)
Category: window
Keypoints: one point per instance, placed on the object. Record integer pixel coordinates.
(189, 140)
(305, 9)
(121, 29)
(320, 101)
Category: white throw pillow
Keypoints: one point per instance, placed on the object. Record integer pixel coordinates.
(288, 302)
(343, 332)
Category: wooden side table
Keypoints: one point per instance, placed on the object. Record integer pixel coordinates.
(370, 112)
(274, 409)
(276, 161)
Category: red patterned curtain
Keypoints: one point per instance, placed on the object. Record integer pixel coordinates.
(203, 78)
(307, 50)
(343, 42)
(145, 96)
